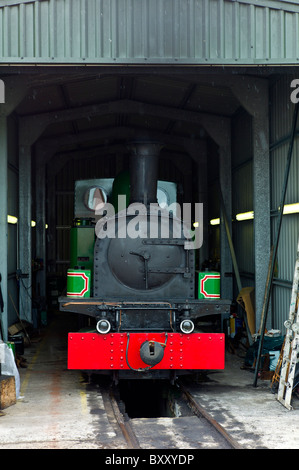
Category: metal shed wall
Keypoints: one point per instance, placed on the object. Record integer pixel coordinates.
(149, 31)
(281, 112)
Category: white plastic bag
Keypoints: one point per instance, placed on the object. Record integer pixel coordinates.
(8, 366)
(2, 352)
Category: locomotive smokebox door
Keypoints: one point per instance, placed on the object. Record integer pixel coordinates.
(151, 352)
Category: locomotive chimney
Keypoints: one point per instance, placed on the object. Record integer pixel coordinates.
(144, 172)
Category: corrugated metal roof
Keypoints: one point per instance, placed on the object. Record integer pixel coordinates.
(184, 93)
(149, 31)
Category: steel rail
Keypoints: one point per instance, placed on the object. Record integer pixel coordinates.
(201, 412)
(124, 426)
(131, 438)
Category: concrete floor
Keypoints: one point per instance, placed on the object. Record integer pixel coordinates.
(55, 409)
(58, 410)
(252, 415)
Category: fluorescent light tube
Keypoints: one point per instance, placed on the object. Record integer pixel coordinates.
(291, 208)
(12, 220)
(245, 216)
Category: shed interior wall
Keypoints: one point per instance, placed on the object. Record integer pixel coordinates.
(281, 114)
(100, 154)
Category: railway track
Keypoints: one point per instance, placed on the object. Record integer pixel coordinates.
(202, 413)
(187, 426)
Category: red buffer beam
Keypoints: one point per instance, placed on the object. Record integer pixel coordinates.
(93, 351)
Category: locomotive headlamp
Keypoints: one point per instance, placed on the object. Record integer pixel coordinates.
(103, 326)
(187, 326)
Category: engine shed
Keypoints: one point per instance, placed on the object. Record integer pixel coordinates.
(216, 81)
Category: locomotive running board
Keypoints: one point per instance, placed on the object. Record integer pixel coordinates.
(93, 351)
(90, 305)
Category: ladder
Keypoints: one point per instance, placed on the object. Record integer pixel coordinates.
(291, 345)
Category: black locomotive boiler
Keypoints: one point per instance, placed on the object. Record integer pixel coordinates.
(137, 286)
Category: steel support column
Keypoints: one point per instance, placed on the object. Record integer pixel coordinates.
(226, 189)
(43, 155)
(25, 249)
(29, 131)
(254, 97)
(15, 90)
(40, 172)
(261, 198)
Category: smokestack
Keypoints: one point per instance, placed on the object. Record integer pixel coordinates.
(144, 172)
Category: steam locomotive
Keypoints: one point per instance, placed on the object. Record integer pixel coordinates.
(132, 275)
